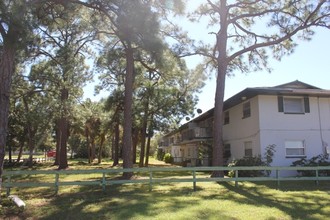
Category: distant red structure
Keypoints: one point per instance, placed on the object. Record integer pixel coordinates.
(51, 153)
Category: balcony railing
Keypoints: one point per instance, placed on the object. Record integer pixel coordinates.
(196, 133)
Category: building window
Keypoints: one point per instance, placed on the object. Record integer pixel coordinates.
(246, 110)
(295, 148)
(226, 152)
(226, 118)
(248, 149)
(293, 105)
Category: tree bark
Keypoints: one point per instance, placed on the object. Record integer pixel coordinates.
(148, 147)
(116, 145)
(101, 148)
(143, 132)
(89, 151)
(135, 137)
(63, 162)
(20, 152)
(64, 130)
(7, 65)
(93, 149)
(10, 155)
(217, 155)
(31, 134)
(128, 100)
(58, 142)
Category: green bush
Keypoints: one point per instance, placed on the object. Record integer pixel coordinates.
(319, 160)
(253, 161)
(160, 154)
(247, 162)
(168, 158)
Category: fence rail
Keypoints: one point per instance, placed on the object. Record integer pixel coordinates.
(12, 178)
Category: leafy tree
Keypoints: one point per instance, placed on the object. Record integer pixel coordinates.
(96, 127)
(114, 105)
(166, 90)
(246, 33)
(66, 31)
(16, 36)
(135, 24)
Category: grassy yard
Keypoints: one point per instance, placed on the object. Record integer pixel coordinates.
(295, 200)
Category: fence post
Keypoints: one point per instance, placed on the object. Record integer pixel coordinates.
(57, 176)
(236, 176)
(103, 182)
(278, 178)
(317, 177)
(150, 181)
(194, 179)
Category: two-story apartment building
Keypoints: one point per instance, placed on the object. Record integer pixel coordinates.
(294, 116)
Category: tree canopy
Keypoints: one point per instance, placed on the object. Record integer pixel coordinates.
(50, 49)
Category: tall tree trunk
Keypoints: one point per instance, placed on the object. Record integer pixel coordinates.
(143, 132)
(7, 65)
(116, 145)
(135, 137)
(89, 152)
(64, 130)
(93, 148)
(31, 146)
(217, 154)
(10, 155)
(63, 163)
(31, 134)
(112, 157)
(58, 142)
(20, 152)
(148, 147)
(101, 148)
(128, 101)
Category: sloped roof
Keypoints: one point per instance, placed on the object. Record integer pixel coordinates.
(291, 88)
(296, 85)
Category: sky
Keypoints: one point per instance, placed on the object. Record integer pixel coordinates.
(310, 63)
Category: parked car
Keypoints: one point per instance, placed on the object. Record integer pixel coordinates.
(51, 153)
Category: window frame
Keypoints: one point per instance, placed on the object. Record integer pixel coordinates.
(246, 110)
(302, 147)
(250, 148)
(304, 104)
(286, 108)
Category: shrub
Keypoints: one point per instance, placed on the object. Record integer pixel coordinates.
(253, 161)
(319, 160)
(160, 154)
(168, 158)
(247, 162)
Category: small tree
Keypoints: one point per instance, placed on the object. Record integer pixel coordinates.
(246, 32)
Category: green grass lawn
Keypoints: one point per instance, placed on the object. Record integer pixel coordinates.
(295, 200)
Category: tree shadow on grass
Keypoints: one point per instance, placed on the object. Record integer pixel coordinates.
(123, 202)
(296, 185)
(297, 205)
(134, 201)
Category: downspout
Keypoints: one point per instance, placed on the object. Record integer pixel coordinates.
(324, 144)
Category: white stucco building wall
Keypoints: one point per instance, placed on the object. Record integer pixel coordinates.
(241, 130)
(278, 128)
(267, 126)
